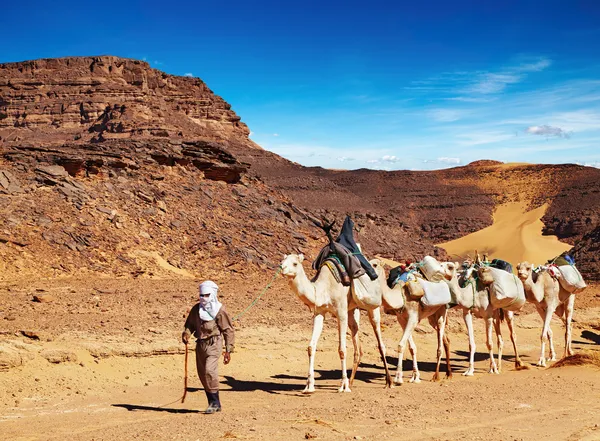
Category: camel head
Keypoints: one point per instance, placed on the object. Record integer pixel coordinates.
(485, 275)
(378, 267)
(290, 264)
(524, 270)
(450, 269)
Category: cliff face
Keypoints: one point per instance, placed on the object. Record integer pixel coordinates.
(91, 99)
(108, 166)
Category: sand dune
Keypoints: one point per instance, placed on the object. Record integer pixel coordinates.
(515, 236)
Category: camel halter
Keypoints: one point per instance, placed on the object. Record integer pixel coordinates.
(260, 295)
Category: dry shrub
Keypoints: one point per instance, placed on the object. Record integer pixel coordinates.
(588, 358)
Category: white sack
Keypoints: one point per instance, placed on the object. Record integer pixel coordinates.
(432, 269)
(570, 278)
(367, 293)
(507, 291)
(436, 293)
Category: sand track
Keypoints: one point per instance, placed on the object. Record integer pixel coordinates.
(128, 397)
(515, 236)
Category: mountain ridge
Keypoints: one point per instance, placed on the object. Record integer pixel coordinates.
(89, 136)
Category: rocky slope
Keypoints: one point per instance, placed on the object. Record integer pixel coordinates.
(110, 167)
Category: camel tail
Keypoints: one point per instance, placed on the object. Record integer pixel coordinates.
(501, 315)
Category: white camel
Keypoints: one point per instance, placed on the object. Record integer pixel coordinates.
(326, 295)
(549, 297)
(474, 300)
(486, 277)
(409, 312)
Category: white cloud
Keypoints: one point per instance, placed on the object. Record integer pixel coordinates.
(471, 99)
(446, 160)
(478, 85)
(445, 115)
(478, 138)
(345, 158)
(188, 74)
(490, 83)
(275, 134)
(547, 131)
(391, 158)
(443, 160)
(578, 120)
(535, 66)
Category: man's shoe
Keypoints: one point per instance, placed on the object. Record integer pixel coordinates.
(214, 405)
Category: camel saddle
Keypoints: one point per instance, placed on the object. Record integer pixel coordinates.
(342, 255)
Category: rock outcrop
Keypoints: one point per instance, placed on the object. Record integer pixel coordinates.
(92, 99)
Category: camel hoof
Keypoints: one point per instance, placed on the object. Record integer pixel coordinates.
(449, 376)
(345, 387)
(308, 391)
(435, 378)
(415, 380)
(469, 373)
(398, 382)
(553, 358)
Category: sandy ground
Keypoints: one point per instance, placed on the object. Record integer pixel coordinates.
(515, 236)
(115, 385)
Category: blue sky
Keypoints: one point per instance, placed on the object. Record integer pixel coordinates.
(386, 85)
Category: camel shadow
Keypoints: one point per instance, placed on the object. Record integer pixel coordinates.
(479, 356)
(335, 374)
(266, 386)
(589, 335)
(132, 407)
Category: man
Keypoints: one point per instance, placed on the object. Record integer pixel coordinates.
(209, 321)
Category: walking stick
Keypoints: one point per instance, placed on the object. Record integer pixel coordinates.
(185, 374)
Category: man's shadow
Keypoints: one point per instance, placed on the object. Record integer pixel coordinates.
(131, 407)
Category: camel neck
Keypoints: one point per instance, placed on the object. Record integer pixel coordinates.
(303, 288)
(464, 296)
(392, 297)
(534, 291)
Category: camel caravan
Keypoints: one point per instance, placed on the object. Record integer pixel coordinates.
(346, 283)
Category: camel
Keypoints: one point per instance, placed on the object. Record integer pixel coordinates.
(474, 300)
(486, 277)
(549, 297)
(409, 312)
(326, 295)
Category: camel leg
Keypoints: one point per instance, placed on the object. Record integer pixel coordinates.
(446, 340)
(550, 333)
(552, 356)
(416, 375)
(353, 324)
(510, 317)
(498, 328)
(375, 318)
(312, 349)
(409, 326)
(546, 315)
(439, 327)
(468, 318)
(569, 308)
(342, 329)
(489, 323)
